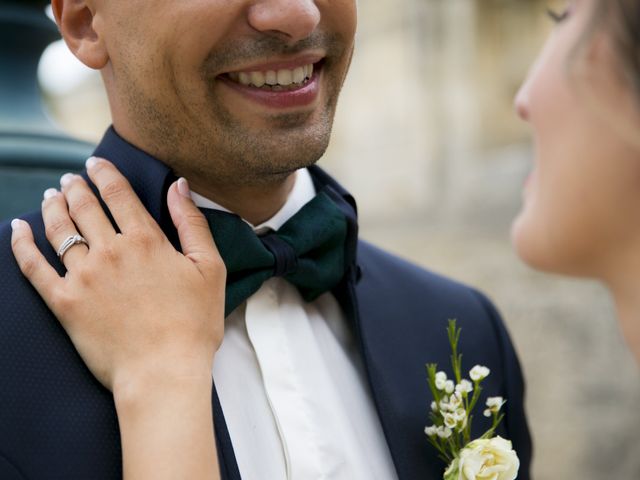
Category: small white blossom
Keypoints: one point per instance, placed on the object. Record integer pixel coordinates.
(461, 418)
(460, 414)
(434, 406)
(455, 401)
(441, 379)
(478, 373)
(494, 404)
(431, 431)
(464, 387)
(450, 420)
(450, 404)
(444, 432)
(449, 386)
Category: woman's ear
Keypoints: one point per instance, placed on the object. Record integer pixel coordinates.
(75, 19)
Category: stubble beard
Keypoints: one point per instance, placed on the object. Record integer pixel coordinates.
(218, 149)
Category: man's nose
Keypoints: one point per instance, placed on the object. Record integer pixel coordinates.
(293, 20)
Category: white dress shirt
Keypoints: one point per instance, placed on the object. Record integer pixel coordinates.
(292, 384)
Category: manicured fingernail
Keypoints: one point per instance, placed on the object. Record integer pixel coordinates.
(183, 187)
(91, 162)
(66, 179)
(51, 192)
(17, 224)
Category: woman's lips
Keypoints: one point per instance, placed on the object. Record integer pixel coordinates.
(278, 96)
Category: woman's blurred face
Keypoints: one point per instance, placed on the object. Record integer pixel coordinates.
(581, 213)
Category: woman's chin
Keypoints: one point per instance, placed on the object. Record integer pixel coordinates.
(547, 250)
(521, 241)
(531, 244)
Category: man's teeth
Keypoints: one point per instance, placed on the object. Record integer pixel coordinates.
(284, 77)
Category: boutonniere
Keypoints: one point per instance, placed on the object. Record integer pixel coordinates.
(454, 400)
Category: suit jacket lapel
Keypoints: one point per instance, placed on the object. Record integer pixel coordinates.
(351, 299)
(226, 456)
(348, 298)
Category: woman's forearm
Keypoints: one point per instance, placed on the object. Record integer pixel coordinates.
(166, 427)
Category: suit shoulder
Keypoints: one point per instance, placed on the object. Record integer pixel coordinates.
(34, 219)
(379, 266)
(15, 291)
(391, 287)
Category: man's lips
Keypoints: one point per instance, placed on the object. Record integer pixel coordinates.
(284, 78)
(278, 85)
(276, 65)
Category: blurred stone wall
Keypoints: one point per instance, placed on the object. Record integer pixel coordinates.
(427, 140)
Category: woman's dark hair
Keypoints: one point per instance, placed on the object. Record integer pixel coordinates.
(624, 27)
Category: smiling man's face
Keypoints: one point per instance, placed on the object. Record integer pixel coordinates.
(226, 91)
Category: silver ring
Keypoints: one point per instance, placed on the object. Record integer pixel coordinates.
(69, 242)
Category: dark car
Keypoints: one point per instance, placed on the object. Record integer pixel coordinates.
(34, 153)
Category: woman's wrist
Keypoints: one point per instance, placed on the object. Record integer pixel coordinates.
(166, 425)
(160, 385)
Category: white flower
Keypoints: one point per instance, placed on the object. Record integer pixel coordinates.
(450, 420)
(434, 406)
(444, 432)
(461, 418)
(444, 404)
(460, 414)
(494, 405)
(455, 401)
(478, 373)
(441, 379)
(464, 387)
(449, 386)
(492, 459)
(431, 431)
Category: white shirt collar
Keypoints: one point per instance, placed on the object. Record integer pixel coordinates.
(301, 193)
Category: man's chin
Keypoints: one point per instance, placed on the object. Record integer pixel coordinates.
(278, 152)
(275, 168)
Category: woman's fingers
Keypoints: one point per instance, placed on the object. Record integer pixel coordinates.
(59, 227)
(85, 210)
(193, 230)
(31, 261)
(123, 203)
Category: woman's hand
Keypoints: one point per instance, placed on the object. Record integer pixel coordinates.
(146, 319)
(129, 301)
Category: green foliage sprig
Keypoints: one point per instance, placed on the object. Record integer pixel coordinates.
(454, 401)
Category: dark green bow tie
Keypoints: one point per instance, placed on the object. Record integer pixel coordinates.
(309, 250)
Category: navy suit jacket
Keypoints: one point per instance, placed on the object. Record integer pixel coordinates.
(58, 422)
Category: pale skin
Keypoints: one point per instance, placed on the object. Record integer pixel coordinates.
(116, 302)
(580, 204)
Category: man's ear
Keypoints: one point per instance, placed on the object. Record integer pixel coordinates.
(75, 19)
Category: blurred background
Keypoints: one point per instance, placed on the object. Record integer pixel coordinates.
(427, 140)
